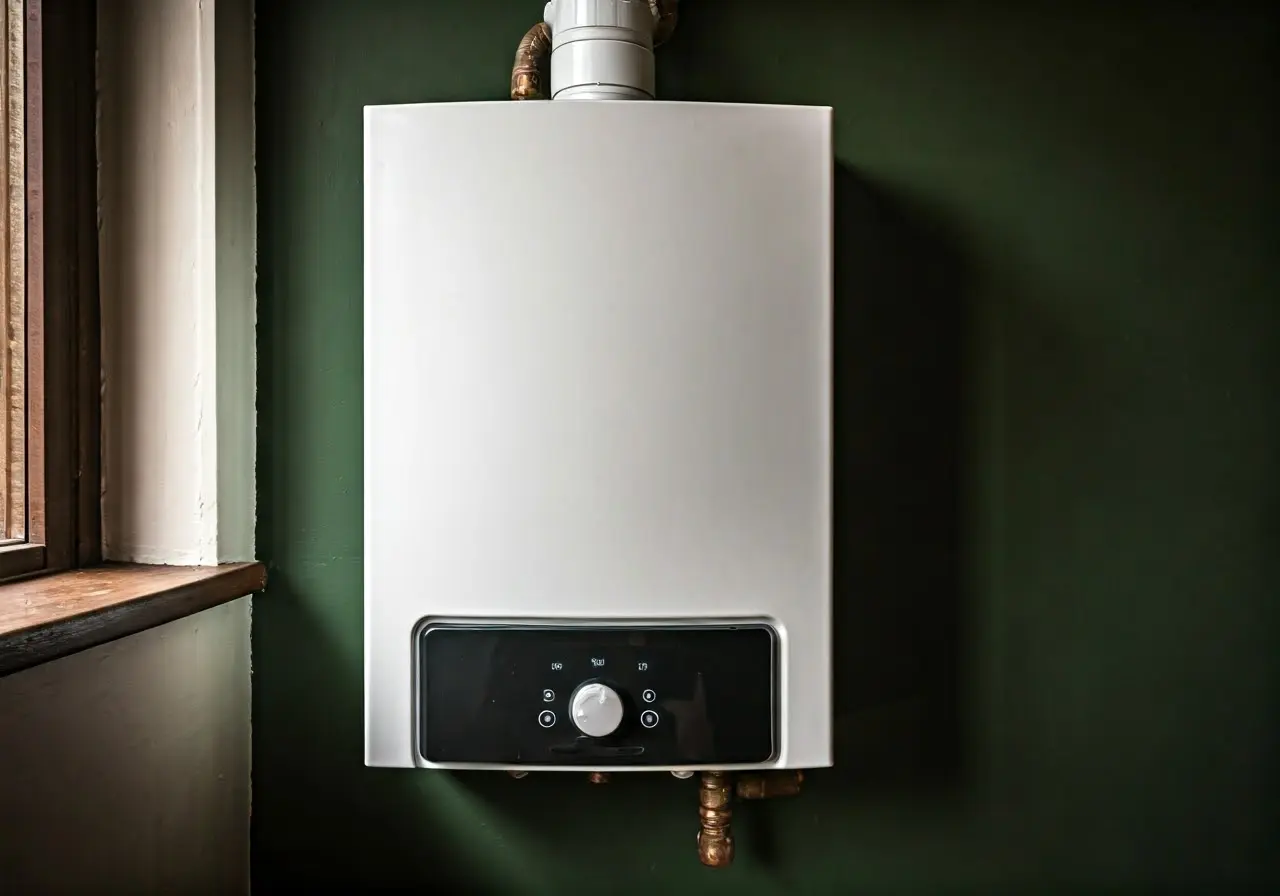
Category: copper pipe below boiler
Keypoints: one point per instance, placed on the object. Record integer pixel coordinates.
(715, 837)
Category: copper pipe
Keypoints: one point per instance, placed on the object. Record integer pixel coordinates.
(665, 15)
(529, 73)
(598, 777)
(715, 838)
(769, 785)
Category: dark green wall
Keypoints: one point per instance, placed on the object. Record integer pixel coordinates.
(1058, 484)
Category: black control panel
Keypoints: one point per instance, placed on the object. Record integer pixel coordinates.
(561, 695)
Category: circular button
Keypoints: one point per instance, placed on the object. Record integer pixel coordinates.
(548, 695)
(596, 709)
(649, 718)
(546, 718)
(648, 696)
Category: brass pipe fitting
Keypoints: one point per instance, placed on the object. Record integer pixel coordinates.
(598, 777)
(529, 73)
(715, 837)
(769, 785)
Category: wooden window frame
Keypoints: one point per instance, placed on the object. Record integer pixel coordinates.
(63, 343)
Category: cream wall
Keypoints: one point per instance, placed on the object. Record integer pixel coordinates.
(125, 768)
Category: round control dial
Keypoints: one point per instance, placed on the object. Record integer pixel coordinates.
(596, 709)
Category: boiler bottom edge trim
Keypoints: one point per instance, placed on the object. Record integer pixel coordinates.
(463, 766)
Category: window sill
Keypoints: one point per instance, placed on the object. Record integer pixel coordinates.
(45, 618)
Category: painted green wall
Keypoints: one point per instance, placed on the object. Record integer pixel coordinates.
(1058, 485)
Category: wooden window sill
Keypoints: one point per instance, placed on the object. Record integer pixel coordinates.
(45, 618)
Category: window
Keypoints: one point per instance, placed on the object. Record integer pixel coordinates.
(151, 65)
(49, 355)
(13, 263)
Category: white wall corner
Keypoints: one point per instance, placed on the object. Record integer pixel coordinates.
(178, 262)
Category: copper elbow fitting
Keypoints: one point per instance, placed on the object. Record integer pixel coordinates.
(529, 73)
(769, 785)
(665, 15)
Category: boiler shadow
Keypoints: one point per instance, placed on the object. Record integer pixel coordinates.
(900, 324)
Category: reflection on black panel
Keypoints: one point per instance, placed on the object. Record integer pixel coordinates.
(691, 696)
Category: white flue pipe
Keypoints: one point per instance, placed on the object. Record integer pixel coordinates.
(601, 49)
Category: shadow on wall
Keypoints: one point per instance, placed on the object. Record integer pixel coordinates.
(900, 331)
(900, 326)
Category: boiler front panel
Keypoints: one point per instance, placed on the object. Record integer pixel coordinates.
(597, 390)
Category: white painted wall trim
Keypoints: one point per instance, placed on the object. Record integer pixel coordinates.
(236, 236)
(178, 259)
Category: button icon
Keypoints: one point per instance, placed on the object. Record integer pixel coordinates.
(546, 718)
(648, 696)
(548, 695)
(649, 718)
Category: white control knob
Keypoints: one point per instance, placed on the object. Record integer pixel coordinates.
(596, 709)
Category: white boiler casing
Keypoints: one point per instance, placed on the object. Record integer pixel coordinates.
(597, 386)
